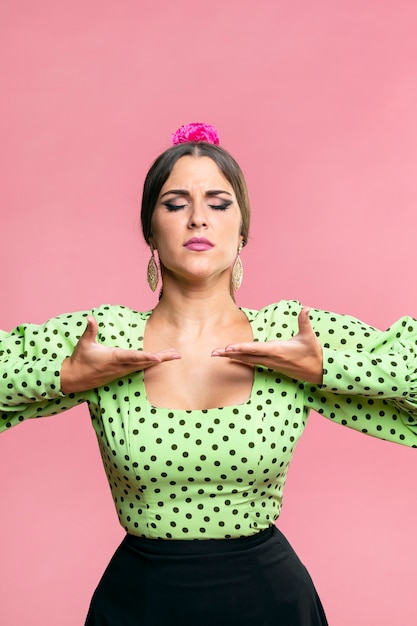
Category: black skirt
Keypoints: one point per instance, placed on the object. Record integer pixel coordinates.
(252, 581)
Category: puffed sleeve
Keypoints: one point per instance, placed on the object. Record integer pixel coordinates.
(30, 362)
(369, 376)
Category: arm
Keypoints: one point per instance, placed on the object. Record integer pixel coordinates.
(30, 363)
(369, 376)
(352, 373)
(47, 369)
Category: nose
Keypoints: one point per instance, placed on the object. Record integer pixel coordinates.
(198, 217)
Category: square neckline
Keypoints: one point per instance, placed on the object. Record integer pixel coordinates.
(257, 369)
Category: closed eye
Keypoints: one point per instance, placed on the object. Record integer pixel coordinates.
(174, 207)
(220, 207)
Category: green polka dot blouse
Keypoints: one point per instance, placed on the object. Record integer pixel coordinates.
(216, 473)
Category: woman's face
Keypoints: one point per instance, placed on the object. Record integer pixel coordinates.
(196, 222)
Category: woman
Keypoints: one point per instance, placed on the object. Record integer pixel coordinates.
(198, 405)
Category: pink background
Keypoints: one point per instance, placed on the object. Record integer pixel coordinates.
(317, 101)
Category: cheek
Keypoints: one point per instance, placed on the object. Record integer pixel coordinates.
(160, 233)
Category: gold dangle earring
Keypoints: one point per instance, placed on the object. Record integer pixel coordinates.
(237, 270)
(152, 274)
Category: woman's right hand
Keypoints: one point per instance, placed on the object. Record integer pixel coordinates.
(93, 365)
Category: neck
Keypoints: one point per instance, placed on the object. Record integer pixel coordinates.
(204, 306)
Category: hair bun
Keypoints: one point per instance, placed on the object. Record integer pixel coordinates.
(195, 131)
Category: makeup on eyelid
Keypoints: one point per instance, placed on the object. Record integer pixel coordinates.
(217, 207)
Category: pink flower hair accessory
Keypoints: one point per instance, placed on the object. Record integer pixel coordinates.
(195, 132)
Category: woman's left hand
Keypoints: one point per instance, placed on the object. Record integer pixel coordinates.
(300, 357)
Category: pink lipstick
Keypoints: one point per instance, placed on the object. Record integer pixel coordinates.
(198, 244)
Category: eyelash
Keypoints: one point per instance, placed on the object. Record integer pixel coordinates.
(173, 207)
(220, 207)
(177, 207)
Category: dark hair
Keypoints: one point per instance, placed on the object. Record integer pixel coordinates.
(162, 167)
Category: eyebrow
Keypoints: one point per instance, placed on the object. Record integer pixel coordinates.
(184, 192)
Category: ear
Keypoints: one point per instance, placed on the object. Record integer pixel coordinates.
(242, 238)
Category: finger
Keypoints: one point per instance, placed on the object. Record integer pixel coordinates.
(252, 348)
(164, 355)
(91, 330)
(168, 355)
(247, 359)
(134, 357)
(304, 322)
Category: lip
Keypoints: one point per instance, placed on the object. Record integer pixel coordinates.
(198, 244)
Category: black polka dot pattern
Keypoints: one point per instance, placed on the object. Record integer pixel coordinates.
(30, 362)
(216, 473)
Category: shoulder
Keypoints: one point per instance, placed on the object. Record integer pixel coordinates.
(120, 325)
(278, 320)
(275, 310)
(118, 314)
